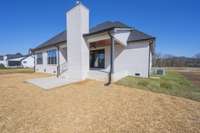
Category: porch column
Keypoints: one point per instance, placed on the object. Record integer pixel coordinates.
(58, 67)
(33, 54)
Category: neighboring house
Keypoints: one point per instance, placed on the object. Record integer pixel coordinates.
(13, 60)
(17, 60)
(28, 61)
(3, 60)
(108, 51)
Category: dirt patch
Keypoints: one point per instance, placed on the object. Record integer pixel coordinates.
(193, 76)
(90, 107)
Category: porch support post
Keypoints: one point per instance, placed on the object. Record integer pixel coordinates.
(34, 61)
(150, 60)
(33, 54)
(58, 67)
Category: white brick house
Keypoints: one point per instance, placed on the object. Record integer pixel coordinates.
(108, 51)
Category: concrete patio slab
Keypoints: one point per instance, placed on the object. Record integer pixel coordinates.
(49, 82)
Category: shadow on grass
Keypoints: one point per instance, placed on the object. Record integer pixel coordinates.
(16, 70)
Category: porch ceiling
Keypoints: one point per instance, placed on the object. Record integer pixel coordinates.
(101, 39)
(102, 43)
(97, 37)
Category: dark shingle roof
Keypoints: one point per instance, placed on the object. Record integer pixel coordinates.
(135, 35)
(107, 25)
(26, 56)
(61, 37)
(13, 56)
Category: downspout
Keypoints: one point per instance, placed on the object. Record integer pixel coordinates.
(111, 59)
(58, 67)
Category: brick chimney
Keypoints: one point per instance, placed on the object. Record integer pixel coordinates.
(77, 48)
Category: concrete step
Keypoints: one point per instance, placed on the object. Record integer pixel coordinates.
(98, 75)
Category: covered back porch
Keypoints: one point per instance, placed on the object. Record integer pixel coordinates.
(103, 51)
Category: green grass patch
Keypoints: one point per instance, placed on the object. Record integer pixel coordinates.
(15, 70)
(172, 83)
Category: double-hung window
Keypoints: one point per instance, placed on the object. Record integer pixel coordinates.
(52, 57)
(39, 58)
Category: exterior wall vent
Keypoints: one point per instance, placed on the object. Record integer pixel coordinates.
(137, 74)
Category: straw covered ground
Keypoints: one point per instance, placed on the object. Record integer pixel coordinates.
(89, 107)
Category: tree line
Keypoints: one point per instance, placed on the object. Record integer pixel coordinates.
(160, 60)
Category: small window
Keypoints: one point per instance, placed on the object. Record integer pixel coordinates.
(39, 58)
(52, 57)
(24, 62)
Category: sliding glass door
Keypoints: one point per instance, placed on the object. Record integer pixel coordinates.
(97, 58)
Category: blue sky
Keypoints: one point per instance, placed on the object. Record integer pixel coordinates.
(25, 24)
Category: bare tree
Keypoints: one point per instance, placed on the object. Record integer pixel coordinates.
(197, 56)
(156, 59)
(175, 61)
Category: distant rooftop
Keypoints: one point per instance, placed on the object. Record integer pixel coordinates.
(13, 56)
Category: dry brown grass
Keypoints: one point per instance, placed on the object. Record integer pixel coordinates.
(184, 69)
(16, 70)
(91, 107)
(193, 76)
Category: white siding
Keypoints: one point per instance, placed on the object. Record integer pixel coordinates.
(131, 60)
(45, 67)
(122, 36)
(28, 62)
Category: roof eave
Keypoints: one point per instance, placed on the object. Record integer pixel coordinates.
(105, 30)
(48, 46)
(152, 38)
(93, 33)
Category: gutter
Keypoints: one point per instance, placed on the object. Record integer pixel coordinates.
(153, 38)
(105, 30)
(49, 46)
